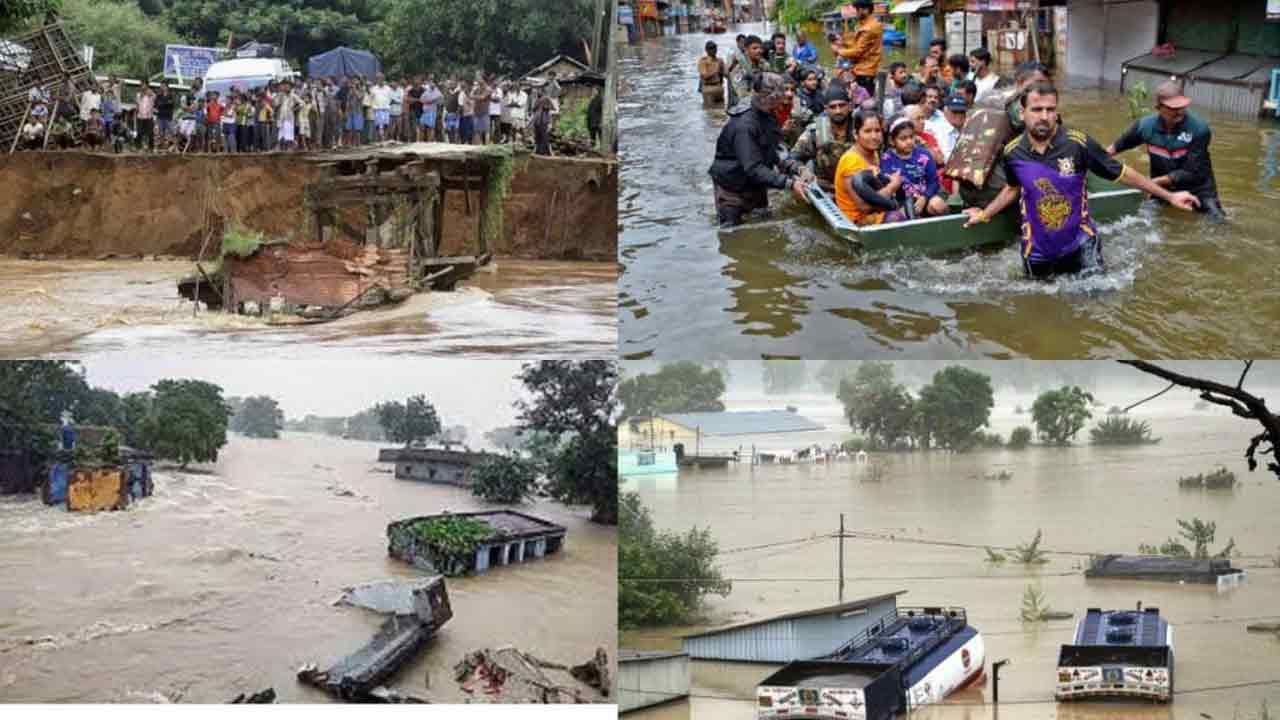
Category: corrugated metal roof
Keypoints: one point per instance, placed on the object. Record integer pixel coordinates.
(744, 423)
(844, 607)
(628, 655)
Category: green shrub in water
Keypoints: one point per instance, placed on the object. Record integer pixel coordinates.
(1119, 430)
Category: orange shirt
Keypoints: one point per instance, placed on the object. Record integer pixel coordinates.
(863, 46)
(852, 163)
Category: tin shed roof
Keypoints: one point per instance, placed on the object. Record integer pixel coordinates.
(744, 423)
(843, 607)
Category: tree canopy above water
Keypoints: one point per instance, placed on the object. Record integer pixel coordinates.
(676, 388)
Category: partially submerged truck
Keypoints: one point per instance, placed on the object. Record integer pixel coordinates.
(1118, 653)
(913, 658)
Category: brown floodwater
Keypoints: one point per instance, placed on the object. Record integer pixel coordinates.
(517, 308)
(1085, 499)
(222, 583)
(1177, 286)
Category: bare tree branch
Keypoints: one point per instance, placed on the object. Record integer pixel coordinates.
(1247, 364)
(1243, 404)
(1172, 385)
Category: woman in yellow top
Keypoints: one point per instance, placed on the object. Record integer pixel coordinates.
(859, 193)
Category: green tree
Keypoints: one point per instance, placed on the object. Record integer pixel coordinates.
(506, 479)
(1060, 414)
(499, 36)
(306, 27)
(575, 404)
(1020, 437)
(663, 577)
(876, 406)
(188, 421)
(675, 388)
(783, 376)
(1117, 430)
(17, 14)
(831, 372)
(955, 406)
(126, 41)
(258, 417)
(364, 425)
(413, 420)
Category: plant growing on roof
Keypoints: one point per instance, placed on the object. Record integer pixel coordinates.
(450, 541)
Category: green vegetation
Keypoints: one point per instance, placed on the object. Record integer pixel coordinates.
(1197, 532)
(988, 440)
(1118, 430)
(306, 27)
(413, 420)
(258, 417)
(994, 556)
(1139, 98)
(573, 404)
(955, 406)
(1020, 438)
(1030, 553)
(663, 577)
(950, 411)
(126, 41)
(497, 188)
(676, 387)
(1059, 415)
(506, 479)
(241, 242)
(455, 538)
(187, 423)
(790, 13)
(16, 14)
(1035, 607)
(1220, 479)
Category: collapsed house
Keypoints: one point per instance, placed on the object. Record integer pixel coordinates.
(374, 228)
(77, 472)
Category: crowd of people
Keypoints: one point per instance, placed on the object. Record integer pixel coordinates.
(949, 135)
(311, 114)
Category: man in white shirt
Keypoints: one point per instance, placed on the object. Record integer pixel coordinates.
(982, 77)
(381, 97)
(397, 111)
(90, 100)
(954, 111)
(33, 134)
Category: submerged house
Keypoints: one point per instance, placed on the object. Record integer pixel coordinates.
(434, 464)
(695, 429)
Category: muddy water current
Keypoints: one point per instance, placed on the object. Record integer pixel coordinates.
(1177, 287)
(89, 309)
(1085, 500)
(222, 583)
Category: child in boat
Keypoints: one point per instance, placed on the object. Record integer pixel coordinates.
(921, 193)
(862, 194)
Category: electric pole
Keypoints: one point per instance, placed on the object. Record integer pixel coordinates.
(609, 131)
(841, 597)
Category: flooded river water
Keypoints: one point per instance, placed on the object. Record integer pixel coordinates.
(1178, 287)
(1085, 499)
(91, 309)
(221, 583)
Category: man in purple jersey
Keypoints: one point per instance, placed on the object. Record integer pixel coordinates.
(1046, 168)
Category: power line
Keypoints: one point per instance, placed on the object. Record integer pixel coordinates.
(942, 705)
(917, 578)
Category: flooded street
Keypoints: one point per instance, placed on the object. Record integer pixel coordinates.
(97, 309)
(1086, 499)
(1177, 287)
(221, 583)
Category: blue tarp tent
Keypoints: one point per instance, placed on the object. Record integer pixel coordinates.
(343, 62)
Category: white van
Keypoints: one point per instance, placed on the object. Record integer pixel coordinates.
(246, 74)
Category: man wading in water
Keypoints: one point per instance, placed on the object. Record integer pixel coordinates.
(1046, 166)
(711, 72)
(747, 164)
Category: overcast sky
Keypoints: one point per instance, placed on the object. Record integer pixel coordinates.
(474, 393)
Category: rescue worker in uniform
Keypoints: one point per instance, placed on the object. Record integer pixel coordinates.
(747, 163)
(827, 138)
(1177, 146)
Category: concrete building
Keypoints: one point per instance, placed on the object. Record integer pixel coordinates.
(693, 429)
(435, 465)
(797, 635)
(648, 678)
(1224, 57)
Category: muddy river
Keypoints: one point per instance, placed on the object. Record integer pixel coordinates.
(1085, 499)
(1177, 286)
(221, 583)
(92, 309)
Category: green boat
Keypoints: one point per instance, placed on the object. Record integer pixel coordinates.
(1108, 202)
